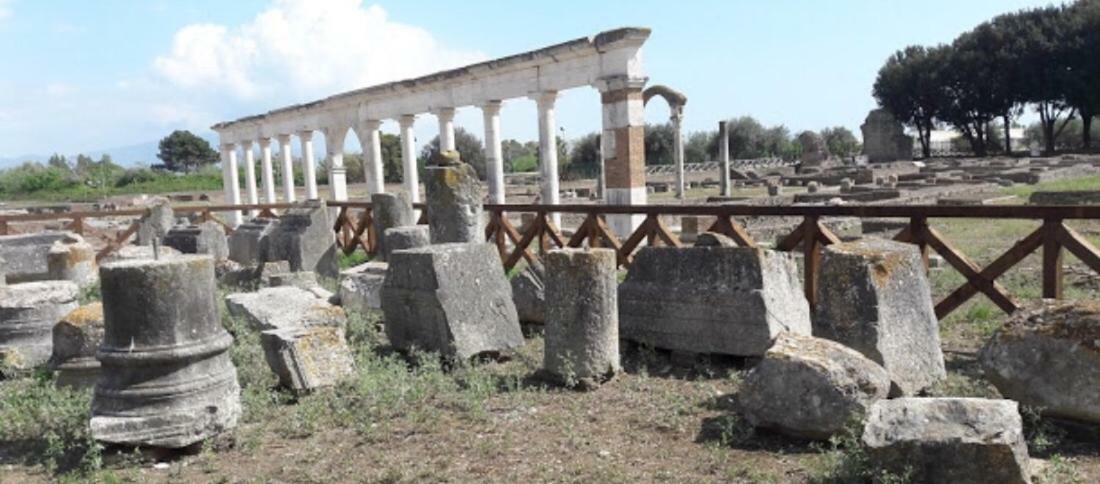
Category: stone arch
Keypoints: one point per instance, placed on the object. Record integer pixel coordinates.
(676, 101)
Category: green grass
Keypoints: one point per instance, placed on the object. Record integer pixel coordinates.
(358, 257)
(1091, 182)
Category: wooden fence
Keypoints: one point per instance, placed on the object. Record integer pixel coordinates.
(353, 228)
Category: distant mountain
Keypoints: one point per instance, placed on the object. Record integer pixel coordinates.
(130, 155)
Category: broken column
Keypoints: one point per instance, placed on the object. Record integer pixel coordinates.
(388, 210)
(454, 200)
(948, 440)
(810, 387)
(28, 313)
(166, 379)
(72, 259)
(582, 320)
(307, 358)
(725, 300)
(450, 298)
(203, 238)
(76, 339)
(361, 286)
(155, 224)
(873, 296)
(304, 237)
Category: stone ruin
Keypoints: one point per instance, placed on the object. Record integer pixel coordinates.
(884, 138)
(25, 255)
(304, 237)
(248, 244)
(450, 298)
(389, 210)
(724, 300)
(202, 238)
(873, 296)
(582, 321)
(361, 286)
(166, 379)
(72, 259)
(155, 224)
(28, 313)
(76, 338)
(454, 200)
(529, 293)
(814, 151)
(307, 357)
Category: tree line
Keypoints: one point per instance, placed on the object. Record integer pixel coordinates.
(1046, 59)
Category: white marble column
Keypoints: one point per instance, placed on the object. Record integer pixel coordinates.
(548, 151)
(494, 158)
(446, 118)
(235, 217)
(676, 119)
(337, 174)
(227, 193)
(267, 177)
(308, 168)
(410, 175)
(370, 138)
(288, 168)
(250, 176)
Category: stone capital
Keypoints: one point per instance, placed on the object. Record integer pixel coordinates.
(306, 135)
(264, 143)
(284, 139)
(491, 108)
(246, 145)
(370, 124)
(618, 83)
(545, 99)
(444, 114)
(406, 120)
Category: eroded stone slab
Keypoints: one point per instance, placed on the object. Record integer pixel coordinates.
(304, 237)
(948, 440)
(284, 307)
(1048, 356)
(725, 300)
(307, 358)
(450, 298)
(873, 296)
(28, 313)
(811, 387)
(529, 294)
(361, 286)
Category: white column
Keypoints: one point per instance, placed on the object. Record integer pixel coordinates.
(494, 157)
(446, 128)
(235, 217)
(250, 176)
(267, 178)
(410, 176)
(724, 158)
(337, 174)
(227, 193)
(678, 148)
(308, 167)
(548, 151)
(288, 168)
(370, 138)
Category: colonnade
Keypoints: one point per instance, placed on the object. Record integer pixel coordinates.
(609, 61)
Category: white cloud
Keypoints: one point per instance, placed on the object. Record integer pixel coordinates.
(298, 49)
(5, 9)
(59, 89)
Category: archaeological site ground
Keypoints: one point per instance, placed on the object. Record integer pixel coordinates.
(894, 308)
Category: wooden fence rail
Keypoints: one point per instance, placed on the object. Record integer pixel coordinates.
(353, 229)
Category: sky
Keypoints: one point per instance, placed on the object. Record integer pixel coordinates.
(84, 76)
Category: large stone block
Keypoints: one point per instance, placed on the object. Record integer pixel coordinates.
(582, 317)
(24, 255)
(407, 237)
(307, 358)
(884, 138)
(450, 298)
(361, 286)
(76, 338)
(1049, 357)
(454, 204)
(139, 252)
(72, 259)
(726, 300)
(166, 378)
(811, 387)
(284, 307)
(948, 440)
(204, 238)
(873, 296)
(28, 313)
(389, 210)
(249, 242)
(155, 224)
(304, 237)
(529, 294)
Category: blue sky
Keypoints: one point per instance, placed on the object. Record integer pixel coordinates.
(89, 75)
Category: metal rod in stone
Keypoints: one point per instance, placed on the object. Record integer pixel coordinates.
(156, 249)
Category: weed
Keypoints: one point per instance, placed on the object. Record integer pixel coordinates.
(1059, 470)
(845, 460)
(50, 423)
(1041, 434)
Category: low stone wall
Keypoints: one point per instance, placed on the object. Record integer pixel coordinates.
(1076, 197)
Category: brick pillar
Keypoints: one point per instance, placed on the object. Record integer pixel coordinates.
(623, 140)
